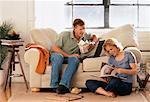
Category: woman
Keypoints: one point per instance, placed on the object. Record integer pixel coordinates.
(125, 66)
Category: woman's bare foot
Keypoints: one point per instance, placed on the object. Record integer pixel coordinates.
(110, 94)
(101, 91)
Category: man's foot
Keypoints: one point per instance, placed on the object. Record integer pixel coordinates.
(62, 89)
(53, 89)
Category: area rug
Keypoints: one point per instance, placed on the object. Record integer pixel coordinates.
(83, 97)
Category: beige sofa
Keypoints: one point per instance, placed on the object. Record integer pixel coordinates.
(90, 66)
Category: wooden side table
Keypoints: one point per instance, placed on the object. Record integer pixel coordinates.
(13, 46)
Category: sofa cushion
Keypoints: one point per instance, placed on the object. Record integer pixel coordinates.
(43, 37)
(94, 64)
(125, 34)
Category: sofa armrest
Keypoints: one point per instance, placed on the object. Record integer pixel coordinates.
(31, 57)
(136, 52)
(137, 55)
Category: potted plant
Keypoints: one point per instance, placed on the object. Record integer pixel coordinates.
(5, 28)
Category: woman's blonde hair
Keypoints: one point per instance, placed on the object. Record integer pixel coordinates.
(112, 42)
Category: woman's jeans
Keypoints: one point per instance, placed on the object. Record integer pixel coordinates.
(57, 61)
(115, 85)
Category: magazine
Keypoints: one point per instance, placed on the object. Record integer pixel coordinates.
(108, 71)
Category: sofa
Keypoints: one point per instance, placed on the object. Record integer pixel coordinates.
(126, 34)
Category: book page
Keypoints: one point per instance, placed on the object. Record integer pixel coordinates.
(108, 71)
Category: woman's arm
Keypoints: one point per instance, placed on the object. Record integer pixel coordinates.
(131, 71)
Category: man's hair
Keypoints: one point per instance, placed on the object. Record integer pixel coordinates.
(78, 22)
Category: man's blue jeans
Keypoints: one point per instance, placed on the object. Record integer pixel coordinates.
(57, 61)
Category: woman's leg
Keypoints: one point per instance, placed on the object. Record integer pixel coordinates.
(119, 87)
(92, 85)
(98, 87)
(124, 88)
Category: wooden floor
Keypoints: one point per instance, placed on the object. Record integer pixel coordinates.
(19, 94)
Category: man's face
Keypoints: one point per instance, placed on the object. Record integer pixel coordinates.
(79, 30)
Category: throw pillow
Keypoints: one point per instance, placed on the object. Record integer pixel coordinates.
(125, 34)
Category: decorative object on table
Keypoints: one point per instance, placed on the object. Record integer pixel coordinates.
(13, 36)
(142, 76)
(5, 28)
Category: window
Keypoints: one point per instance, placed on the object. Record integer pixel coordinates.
(59, 14)
(108, 13)
(91, 11)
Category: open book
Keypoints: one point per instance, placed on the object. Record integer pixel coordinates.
(108, 71)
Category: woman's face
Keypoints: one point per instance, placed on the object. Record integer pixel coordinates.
(112, 50)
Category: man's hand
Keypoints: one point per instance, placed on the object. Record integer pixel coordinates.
(74, 55)
(90, 47)
(95, 39)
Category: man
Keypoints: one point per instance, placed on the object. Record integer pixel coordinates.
(67, 50)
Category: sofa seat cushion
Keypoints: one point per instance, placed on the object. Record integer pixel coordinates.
(93, 64)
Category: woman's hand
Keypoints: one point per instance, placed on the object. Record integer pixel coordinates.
(131, 71)
(106, 80)
(119, 70)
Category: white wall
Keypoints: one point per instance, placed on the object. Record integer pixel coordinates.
(50, 13)
(0, 12)
(21, 13)
(18, 12)
(15, 11)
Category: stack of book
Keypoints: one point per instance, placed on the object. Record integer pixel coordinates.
(11, 42)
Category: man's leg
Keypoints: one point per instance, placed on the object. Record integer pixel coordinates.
(73, 63)
(56, 60)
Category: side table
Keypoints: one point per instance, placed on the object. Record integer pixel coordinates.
(13, 46)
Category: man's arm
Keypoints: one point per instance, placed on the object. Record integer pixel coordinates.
(58, 50)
